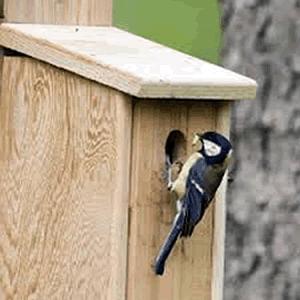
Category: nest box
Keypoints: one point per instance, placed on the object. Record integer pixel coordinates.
(85, 116)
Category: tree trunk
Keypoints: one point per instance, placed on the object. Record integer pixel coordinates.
(262, 40)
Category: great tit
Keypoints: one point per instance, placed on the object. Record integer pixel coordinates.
(195, 187)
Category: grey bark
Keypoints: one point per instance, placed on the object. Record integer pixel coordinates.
(262, 40)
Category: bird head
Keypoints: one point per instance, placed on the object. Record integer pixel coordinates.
(215, 147)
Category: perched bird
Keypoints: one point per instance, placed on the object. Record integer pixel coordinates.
(195, 187)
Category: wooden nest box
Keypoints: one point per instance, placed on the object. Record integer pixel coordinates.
(85, 114)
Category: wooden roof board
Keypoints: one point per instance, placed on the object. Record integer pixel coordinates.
(124, 61)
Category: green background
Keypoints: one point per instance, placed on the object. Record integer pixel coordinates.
(192, 26)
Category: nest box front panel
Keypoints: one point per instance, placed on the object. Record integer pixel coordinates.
(190, 269)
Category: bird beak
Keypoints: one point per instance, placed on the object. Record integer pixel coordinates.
(196, 139)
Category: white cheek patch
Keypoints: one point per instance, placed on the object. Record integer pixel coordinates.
(211, 149)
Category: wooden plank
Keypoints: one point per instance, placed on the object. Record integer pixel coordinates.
(1, 9)
(79, 12)
(64, 181)
(222, 126)
(126, 62)
(189, 270)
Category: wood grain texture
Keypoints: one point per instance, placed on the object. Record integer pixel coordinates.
(79, 12)
(190, 268)
(64, 181)
(126, 62)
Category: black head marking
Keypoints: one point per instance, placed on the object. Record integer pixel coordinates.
(219, 140)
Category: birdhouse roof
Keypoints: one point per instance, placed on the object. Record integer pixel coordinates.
(126, 62)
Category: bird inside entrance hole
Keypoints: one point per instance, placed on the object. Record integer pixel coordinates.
(195, 186)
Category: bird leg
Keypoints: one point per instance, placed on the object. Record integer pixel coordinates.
(168, 173)
(173, 173)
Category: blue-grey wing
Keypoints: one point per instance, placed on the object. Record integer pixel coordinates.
(193, 208)
(195, 200)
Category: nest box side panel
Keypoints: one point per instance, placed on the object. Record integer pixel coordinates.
(189, 270)
(64, 181)
(223, 126)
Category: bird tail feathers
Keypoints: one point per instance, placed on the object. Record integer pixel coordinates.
(168, 244)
